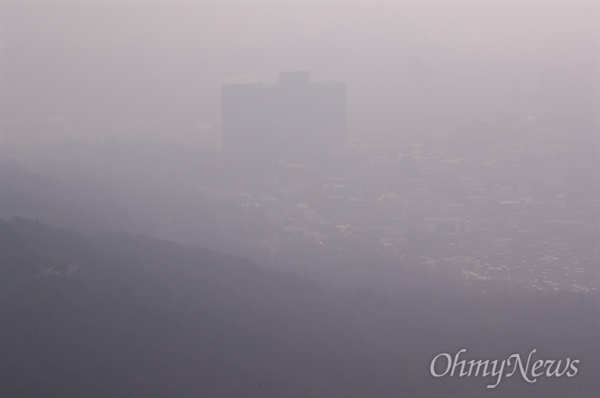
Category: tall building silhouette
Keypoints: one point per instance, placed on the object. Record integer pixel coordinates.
(293, 113)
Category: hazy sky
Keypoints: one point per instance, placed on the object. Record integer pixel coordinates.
(249, 24)
(376, 47)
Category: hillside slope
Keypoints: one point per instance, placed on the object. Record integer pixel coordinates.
(119, 315)
(122, 315)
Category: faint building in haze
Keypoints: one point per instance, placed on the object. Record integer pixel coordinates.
(292, 114)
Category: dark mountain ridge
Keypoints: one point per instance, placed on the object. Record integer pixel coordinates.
(122, 315)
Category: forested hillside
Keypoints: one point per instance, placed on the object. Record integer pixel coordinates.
(118, 315)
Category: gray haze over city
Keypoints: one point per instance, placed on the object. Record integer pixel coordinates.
(391, 155)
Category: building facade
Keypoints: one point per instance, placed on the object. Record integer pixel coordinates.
(293, 113)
